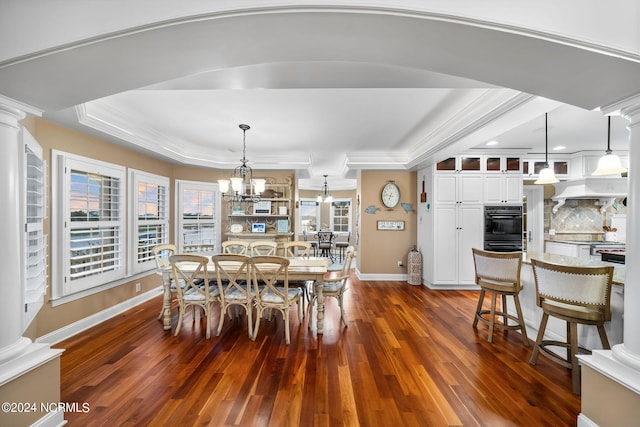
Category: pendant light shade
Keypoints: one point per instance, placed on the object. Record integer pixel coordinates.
(609, 164)
(546, 175)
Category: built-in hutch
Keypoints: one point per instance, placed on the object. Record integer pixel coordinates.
(268, 218)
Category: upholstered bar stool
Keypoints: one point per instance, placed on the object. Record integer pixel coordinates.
(499, 274)
(577, 295)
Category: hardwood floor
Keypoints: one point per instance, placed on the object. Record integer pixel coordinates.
(409, 357)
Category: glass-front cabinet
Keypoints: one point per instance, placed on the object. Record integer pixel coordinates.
(532, 167)
(464, 163)
(502, 164)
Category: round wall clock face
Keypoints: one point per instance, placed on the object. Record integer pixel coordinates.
(390, 195)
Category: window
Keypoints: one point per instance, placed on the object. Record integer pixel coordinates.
(198, 207)
(341, 216)
(149, 217)
(35, 241)
(309, 215)
(88, 223)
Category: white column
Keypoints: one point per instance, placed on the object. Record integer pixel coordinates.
(628, 352)
(11, 341)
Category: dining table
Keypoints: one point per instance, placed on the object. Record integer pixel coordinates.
(300, 269)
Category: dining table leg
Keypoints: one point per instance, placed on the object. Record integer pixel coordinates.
(166, 301)
(320, 300)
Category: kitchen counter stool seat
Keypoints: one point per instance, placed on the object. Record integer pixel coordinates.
(499, 274)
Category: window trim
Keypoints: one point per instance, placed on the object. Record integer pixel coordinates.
(349, 215)
(180, 186)
(318, 211)
(135, 177)
(61, 285)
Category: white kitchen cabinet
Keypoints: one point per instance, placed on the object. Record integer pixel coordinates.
(576, 250)
(502, 189)
(457, 229)
(458, 188)
(583, 165)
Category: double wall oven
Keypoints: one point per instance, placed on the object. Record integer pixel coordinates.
(503, 228)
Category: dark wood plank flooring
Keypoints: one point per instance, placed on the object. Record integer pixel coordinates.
(409, 357)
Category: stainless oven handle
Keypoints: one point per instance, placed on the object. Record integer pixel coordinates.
(504, 216)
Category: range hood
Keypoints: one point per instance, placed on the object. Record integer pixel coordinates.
(605, 189)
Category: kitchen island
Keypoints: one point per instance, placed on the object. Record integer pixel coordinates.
(556, 329)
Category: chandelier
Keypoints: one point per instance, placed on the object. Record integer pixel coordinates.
(242, 179)
(325, 196)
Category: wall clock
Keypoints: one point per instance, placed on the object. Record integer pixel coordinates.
(390, 195)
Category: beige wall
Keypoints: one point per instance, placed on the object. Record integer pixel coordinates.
(52, 136)
(379, 251)
(606, 402)
(40, 385)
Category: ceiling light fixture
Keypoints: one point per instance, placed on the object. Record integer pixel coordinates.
(325, 196)
(609, 163)
(242, 179)
(546, 175)
(492, 143)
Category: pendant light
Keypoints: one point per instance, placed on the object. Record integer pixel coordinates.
(609, 163)
(546, 175)
(325, 196)
(242, 178)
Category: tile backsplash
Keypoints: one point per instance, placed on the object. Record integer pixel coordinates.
(578, 219)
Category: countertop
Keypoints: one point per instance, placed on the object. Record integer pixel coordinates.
(585, 242)
(618, 269)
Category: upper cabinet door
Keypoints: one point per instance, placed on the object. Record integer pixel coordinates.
(502, 164)
(460, 164)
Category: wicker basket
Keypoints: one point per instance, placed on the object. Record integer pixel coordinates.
(414, 259)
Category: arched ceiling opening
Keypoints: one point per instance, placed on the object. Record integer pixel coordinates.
(325, 89)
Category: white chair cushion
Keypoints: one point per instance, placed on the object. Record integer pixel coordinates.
(271, 297)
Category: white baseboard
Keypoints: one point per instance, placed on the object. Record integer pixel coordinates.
(584, 421)
(381, 277)
(88, 322)
(51, 419)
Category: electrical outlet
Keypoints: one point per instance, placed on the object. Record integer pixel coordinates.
(399, 263)
(137, 287)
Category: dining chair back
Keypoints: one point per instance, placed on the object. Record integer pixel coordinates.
(325, 244)
(336, 285)
(192, 271)
(270, 276)
(576, 295)
(499, 274)
(263, 248)
(303, 249)
(342, 243)
(296, 248)
(240, 247)
(234, 286)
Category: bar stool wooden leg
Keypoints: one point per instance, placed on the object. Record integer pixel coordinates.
(479, 308)
(525, 338)
(573, 352)
(536, 347)
(492, 316)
